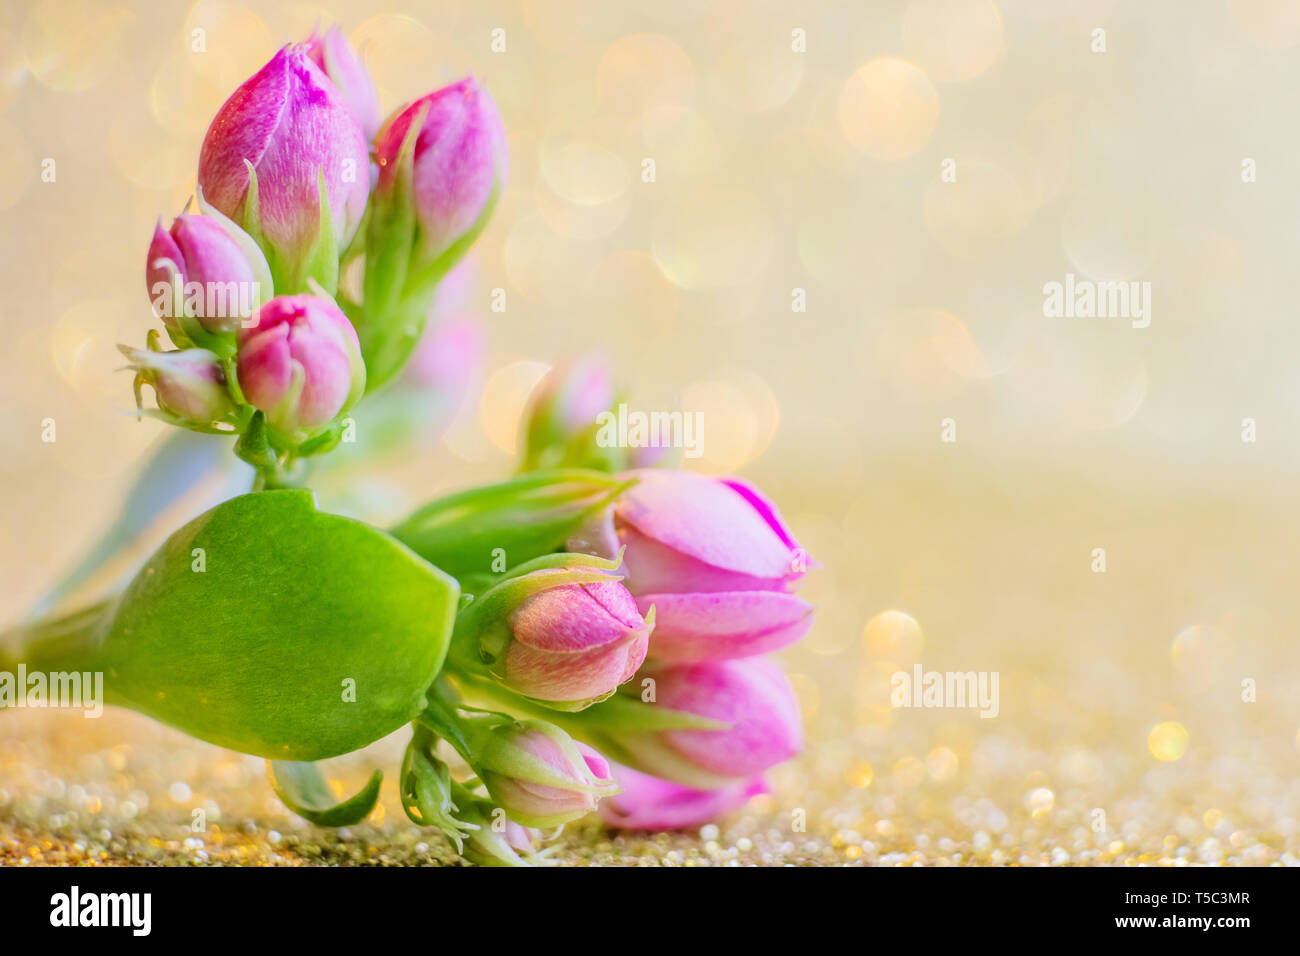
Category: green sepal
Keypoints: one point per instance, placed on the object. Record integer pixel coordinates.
(251, 249)
(424, 280)
(301, 787)
(320, 262)
(390, 323)
(517, 520)
(426, 790)
(252, 224)
(254, 445)
(531, 577)
(486, 847)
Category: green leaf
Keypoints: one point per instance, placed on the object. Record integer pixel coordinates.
(514, 521)
(304, 635)
(302, 788)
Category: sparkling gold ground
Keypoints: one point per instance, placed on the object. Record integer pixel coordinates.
(1122, 735)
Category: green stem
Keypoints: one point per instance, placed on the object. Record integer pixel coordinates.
(64, 643)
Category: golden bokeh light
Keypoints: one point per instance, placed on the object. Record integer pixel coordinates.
(1168, 740)
(953, 40)
(888, 108)
(505, 396)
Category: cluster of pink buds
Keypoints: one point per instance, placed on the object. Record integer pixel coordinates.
(648, 637)
(247, 284)
(718, 565)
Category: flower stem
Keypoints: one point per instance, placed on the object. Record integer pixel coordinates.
(70, 642)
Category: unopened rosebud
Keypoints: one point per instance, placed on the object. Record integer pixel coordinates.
(538, 774)
(289, 134)
(199, 270)
(301, 364)
(332, 52)
(190, 385)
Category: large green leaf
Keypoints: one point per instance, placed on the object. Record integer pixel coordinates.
(304, 636)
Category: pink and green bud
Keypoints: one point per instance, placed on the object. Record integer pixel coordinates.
(459, 165)
(754, 706)
(648, 803)
(190, 385)
(715, 560)
(199, 269)
(563, 635)
(561, 419)
(493, 839)
(336, 58)
(287, 161)
(539, 775)
(442, 164)
(301, 364)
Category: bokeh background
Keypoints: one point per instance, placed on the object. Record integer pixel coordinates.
(795, 147)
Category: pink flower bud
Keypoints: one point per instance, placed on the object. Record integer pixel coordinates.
(198, 260)
(563, 406)
(301, 363)
(573, 642)
(189, 384)
(713, 558)
(648, 803)
(459, 163)
(334, 55)
(293, 126)
(751, 697)
(539, 775)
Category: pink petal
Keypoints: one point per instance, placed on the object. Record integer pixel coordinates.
(724, 624)
(648, 803)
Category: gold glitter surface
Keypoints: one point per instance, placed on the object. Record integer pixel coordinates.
(837, 254)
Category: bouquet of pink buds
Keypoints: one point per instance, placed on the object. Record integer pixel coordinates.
(590, 634)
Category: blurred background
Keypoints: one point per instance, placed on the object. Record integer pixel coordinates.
(827, 228)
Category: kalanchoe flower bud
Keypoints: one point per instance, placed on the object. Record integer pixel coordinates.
(564, 635)
(751, 697)
(538, 774)
(648, 803)
(494, 839)
(333, 53)
(560, 422)
(190, 385)
(283, 141)
(714, 559)
(459, 163)
(442, 164)
(200, 269)
(301, 364)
